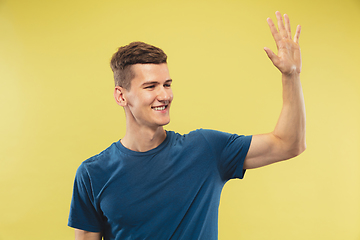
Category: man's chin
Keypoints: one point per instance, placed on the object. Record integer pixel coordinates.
(164, 123)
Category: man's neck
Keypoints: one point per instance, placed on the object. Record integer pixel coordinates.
(144, 139)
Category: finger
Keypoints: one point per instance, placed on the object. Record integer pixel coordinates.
(273, 30)
(272, 56)
(280, 23)
(297, 34)
(287, 25)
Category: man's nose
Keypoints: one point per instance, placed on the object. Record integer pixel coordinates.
(164, 94)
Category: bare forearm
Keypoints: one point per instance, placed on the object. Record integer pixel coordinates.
(290, 128)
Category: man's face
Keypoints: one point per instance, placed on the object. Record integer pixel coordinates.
(150, 95)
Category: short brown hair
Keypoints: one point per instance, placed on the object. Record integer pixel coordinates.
(133, 53)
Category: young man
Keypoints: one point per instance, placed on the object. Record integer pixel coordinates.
(157, 184)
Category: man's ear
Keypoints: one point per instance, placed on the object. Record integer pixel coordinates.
(119, 96)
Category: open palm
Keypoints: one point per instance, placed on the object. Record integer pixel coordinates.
(288, 59)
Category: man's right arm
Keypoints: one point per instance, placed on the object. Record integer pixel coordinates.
(85, 235)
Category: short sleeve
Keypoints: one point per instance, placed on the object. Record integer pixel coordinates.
(83, 214)
(230, 151)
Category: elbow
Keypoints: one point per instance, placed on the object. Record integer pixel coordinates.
(298, 149)
(301, 149)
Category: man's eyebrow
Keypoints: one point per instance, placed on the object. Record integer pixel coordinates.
(150, 82)
(155, 82)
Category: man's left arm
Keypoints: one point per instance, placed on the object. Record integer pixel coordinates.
(288, 138)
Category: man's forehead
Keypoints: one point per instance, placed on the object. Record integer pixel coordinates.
(151, 72)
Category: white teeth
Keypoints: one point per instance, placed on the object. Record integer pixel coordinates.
(159, 108)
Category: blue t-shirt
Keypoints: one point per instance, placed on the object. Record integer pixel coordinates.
(170, 192)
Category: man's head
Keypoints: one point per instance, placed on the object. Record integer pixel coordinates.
(134, 53)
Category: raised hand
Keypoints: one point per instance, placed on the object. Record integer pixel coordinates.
(288, 138)
(288, 59)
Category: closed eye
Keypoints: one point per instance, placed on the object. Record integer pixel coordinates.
(168, 83)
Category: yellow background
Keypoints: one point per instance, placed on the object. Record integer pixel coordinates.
(57, 107)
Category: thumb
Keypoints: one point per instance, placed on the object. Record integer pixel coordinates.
(272, 56)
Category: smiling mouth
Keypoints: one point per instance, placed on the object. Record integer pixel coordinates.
(160, 108)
